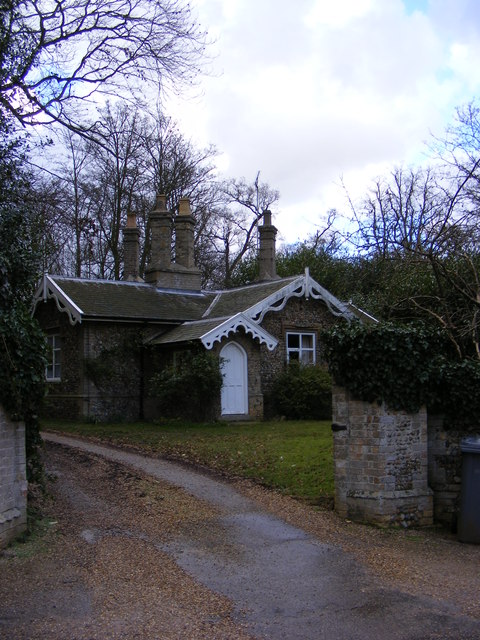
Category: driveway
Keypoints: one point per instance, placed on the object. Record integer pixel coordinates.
(145, 548)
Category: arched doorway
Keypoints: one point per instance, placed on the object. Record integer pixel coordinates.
(234, 394)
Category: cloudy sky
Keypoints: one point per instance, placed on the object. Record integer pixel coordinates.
(312, 91)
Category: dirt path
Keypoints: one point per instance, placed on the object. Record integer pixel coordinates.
(110, 566)
(101, 573)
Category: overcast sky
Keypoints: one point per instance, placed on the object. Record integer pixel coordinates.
(310, 91)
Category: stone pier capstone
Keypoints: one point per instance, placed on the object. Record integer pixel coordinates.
(13, 479)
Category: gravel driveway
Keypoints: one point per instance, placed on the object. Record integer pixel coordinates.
(161, 552)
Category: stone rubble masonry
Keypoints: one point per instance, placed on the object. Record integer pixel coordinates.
(381, 464)
(13, 479)
(76, 395)
(63, 398)
(299, 315)
(116, 395)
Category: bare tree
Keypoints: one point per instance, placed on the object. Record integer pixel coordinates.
(74, 222)
(405, 212)
(176, 168)
(116, 182)
(237, 220)
(45, 201)
(140, 156)
(55, 56)
(420, 229)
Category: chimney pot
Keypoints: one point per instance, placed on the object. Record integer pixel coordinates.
(181, 274)
(131, 220)
(184, 207)
(161, 202)
(184, 226)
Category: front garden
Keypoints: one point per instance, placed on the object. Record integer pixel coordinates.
(294, 457)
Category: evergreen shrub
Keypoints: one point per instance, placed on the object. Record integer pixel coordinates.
(303, 393)
(405, 367)
(189, 389)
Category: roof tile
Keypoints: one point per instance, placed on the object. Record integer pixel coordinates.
(132, 300)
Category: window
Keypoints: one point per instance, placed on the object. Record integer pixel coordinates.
(301, 347)
(53, 369)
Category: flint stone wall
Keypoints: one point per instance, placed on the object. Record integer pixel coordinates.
(13, 479)
(300, 315)
(381, 465)
(112, 372)
(114, 393)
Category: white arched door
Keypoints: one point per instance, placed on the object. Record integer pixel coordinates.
(234, 371)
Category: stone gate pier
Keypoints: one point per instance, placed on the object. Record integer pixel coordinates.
(381, 463)
(13, 479)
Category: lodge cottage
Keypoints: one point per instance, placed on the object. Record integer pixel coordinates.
(107, 338)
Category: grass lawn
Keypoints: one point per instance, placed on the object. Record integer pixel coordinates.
(294, 457)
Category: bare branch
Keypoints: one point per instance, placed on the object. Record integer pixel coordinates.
(54, 55)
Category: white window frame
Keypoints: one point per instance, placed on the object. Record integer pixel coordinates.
(301, 348)
(53, 370)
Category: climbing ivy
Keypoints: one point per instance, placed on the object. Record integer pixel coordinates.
(22, 344)
(22, 373)
(189, 388)
(455, 391)
(405, 367)
(111, 367)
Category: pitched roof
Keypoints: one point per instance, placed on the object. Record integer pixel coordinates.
(187, 331)
(231, 301)
(211, 331)
(205, 316)
(120, 300)
(247, 306)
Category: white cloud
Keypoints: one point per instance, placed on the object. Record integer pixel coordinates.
(336, 14)
(310, 91)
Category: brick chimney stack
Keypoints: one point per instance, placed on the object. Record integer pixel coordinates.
(162, 272)
(161, 240)
(131, 249)
(184, 225)
(266, 258)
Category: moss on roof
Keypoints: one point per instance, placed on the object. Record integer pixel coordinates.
(132, 300)
(137, 300)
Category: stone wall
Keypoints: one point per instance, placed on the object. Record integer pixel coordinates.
(380, 459)
(64, 397)
(13, 479)
(299, 314)
(112, 372)
(101, 374)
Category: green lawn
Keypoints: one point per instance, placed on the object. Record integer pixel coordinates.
(294, 457)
